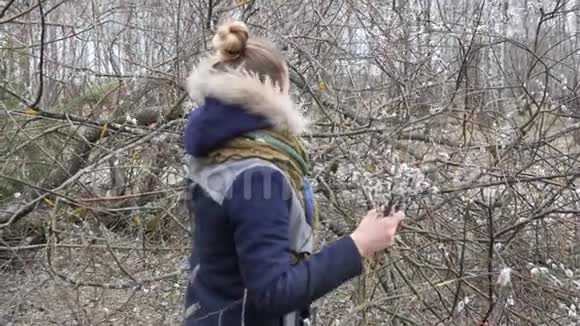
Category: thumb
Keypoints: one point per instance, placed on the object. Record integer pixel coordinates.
(399, 216)
(396, 219)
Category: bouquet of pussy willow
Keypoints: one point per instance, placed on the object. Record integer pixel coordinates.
(396, 188)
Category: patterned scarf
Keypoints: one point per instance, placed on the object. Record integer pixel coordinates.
(244, 147)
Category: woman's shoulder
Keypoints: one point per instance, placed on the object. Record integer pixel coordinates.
(252, 175)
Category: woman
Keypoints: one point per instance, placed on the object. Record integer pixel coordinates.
(252, 207)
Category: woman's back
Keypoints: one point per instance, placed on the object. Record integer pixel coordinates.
(251, 205)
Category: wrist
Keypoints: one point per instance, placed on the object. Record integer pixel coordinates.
(359, 244)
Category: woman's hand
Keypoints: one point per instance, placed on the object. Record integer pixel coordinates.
(376, 232)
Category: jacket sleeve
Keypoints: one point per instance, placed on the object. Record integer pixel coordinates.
(258, 206)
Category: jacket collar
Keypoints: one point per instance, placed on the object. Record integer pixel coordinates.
(245, 90)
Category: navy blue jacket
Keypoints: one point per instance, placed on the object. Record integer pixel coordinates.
(240, 266)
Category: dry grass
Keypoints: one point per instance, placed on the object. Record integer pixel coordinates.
(34, 295)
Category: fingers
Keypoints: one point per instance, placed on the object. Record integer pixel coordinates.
(397, 217)
(392, 222)
(373, 213)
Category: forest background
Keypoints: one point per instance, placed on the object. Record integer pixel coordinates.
(481, 95)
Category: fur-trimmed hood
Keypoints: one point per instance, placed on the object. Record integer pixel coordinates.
(238, 87)
(232, 103)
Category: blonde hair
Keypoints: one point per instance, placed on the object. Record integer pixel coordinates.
(235, 48)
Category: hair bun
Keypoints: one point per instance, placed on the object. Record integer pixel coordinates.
(231, 39)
